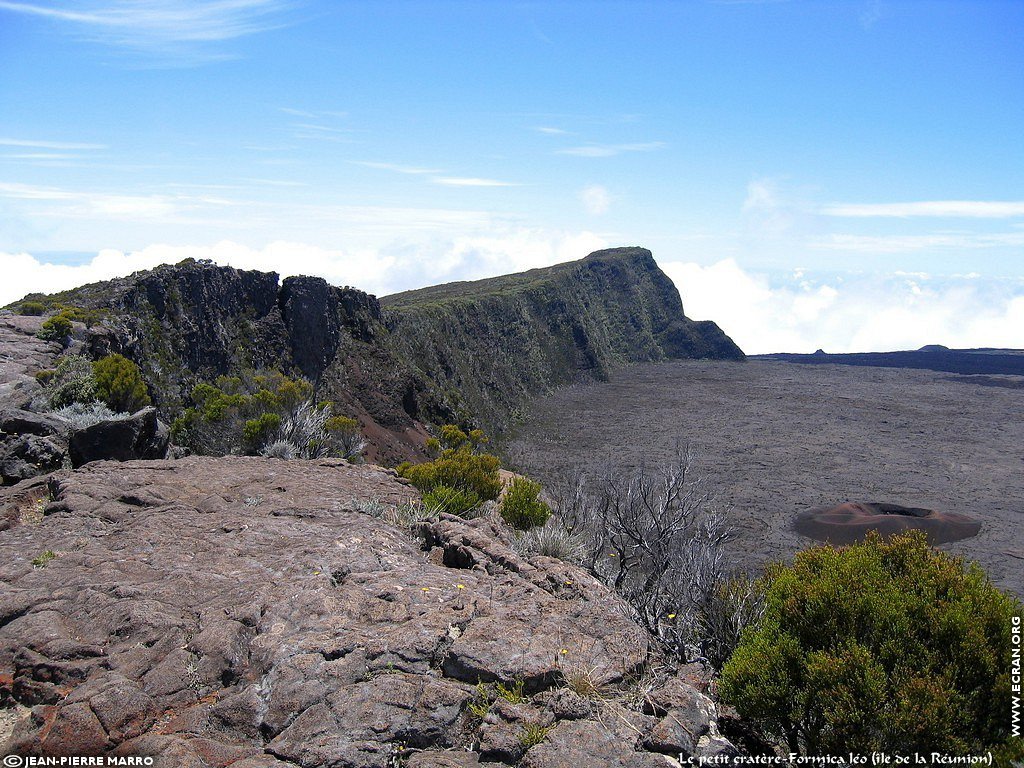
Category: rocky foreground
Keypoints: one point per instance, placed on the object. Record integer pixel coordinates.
(256, 612)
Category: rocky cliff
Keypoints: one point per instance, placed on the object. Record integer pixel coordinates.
(473, 352)
(264, 614)
(494, 343)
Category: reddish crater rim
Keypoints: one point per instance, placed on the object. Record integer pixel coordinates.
(850, 522)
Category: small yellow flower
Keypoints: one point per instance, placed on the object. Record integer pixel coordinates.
(564, 651)
(671, 615)
(568, 583)
(425, 589)
(612, 554)
(459, 586)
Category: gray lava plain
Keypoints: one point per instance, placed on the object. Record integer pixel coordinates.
(776, 439)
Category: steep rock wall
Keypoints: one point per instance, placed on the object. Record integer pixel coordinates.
(491, 344)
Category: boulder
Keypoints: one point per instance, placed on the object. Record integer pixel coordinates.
(139, 436)
(25, 456)
(17, 421)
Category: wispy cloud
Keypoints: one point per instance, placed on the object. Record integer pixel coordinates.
(159, 26)
(551, 130)
(395, 167)
(321, 133)
(41, 156)
(911, 243)
(38, 144)
(974, 209)
(87, 204)
(610, 150)
(465, 181)
(297, 112)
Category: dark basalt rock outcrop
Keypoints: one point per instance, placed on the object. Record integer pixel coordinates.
(850, 522)
(139, 436)
(471, 352)
(244, 611)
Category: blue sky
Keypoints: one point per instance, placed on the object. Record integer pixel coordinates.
(845, 175)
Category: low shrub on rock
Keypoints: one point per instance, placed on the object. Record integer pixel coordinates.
(119, 384)
(459, 465)
(521, 507)
(887, 646)
(57, 328)
(453, 501)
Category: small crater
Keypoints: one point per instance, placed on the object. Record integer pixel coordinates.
(850, 522)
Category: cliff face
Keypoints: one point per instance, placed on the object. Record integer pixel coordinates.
(471, 351)
(491, 344)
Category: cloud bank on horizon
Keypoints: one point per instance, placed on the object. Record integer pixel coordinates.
(794, 312)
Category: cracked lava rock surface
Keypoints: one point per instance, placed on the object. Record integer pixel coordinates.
(245, 611)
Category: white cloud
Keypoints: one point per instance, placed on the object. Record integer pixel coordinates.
(465, 181)
(551, 131)
(377, 270)
(975, 209)
(596, 199)
(850, 314)
(610, 150)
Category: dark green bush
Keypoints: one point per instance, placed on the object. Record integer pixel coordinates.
(119, 384)
(453, 501)
(257, 432)
(56, 328)
(521, 508)
(34, 308)
(885, 646)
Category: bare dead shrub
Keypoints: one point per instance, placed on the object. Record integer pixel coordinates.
(656, 537)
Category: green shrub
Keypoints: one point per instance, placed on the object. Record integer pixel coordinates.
(57, 328)
(460, 469)
(884, 646)
(259, 411)
(521, 508)
(119, 384)
(45, 376)
(345, 435)
(34, 308)
(454, 501)
(88, 317)
(72, 382)
(259, 430)
(41, 560)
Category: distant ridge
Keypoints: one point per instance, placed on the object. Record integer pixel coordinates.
(933, 357)
(471, 352)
